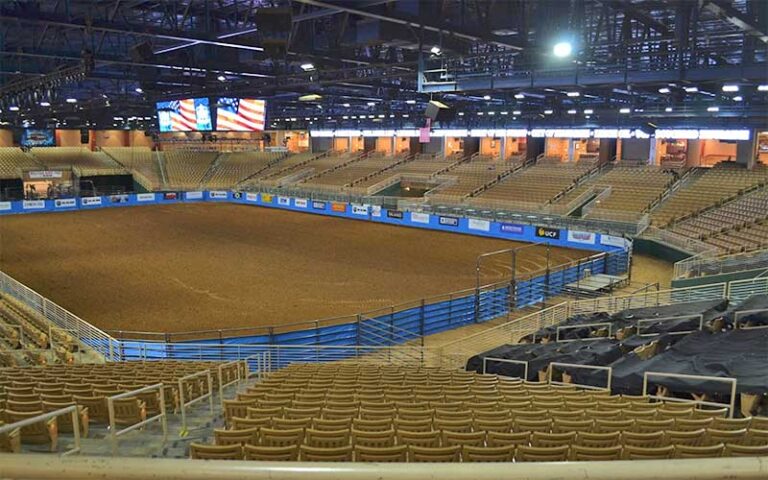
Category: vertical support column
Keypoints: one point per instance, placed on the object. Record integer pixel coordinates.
(571, 150)
(503, 149)
(746, 150)
(652, 151)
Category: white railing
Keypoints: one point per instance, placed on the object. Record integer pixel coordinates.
(708, 264)
(241, 372)
(29, 467)
(576, 366)
(732, 382)
(740, 290)
(206, 393)
(161, 417)
(505, 360)
(649, 299)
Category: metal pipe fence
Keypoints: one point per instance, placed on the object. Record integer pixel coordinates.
(72, 410)
(206, 391)
(161, 416)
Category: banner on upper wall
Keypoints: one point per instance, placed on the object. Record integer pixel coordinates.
(448, 221)
(65, 203)
(285, 201)
(512, 228)
(145, 197)
(251, 197)
(613, 241)
(478, 224)
(300, 202)
(193, 195)
(546, 232)
(33, 204)
(90, 201)
(43, 174)
(358, 209)
(587, 238)
(170, 196)
(418, 217)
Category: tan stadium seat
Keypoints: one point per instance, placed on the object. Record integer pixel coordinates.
(424, 425)
(10, 442)
(319, 454)
(760, 423)
(40, 433)
(215, 452)
(474, 439)
(598, 440)
(488, 454)
(245, 423)
(420, 439)
(689, 451)
(686, 424)
(539, 439)
(17, 406)
(564, 426)
(643, 425)
(129, 411)
(434, 454)
(373, 439)
(730, 423)
(326, 438)
(238, 437)
(291, 423)
(280, 438)
(65, 421)
(632, 452)
(497, 439)
(691, 438)
(97, 408)
(336, 424)
(255, 412)
(503, 426)
(596, 454)
(736, 450)
(398, 453)
(644, 440)
(756, 437)
(525, 453)
(715, 436)
(271, 454)
(379, 425)
(464, 426)
(525, 425)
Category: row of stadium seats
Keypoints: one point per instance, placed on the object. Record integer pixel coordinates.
(532, 186)
(81, 157)
(232, 168)
(142, 162)
(710, 187)
(29, 392)
(13, 160)
(742, 239)
(364, 412)
(27, 338)
(185, 169)
(349, 174)
(474, 175)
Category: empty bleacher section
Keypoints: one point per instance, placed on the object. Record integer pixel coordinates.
(369, 412)
(622, 190)
(27, 338)
(13, 161)
(141, 162)
(185, 169)
(346, 175)
(420, 167)
(285, 167)
(708, 188)
(231, 168)
(304, 167)
(82, 159)
(534, 186)
(733, 226)
(469, 177)
(29, 392)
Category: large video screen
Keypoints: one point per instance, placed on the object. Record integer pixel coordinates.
(240, 114)
(37, 138)
(188, 115)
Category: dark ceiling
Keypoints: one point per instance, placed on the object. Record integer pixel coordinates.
(633, 61)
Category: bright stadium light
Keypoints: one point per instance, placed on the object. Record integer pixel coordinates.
(573, 94)
(45, 104)
(371, 104)
(668, 109)
(436, 50)
(221, 78)
(517, 112)
(519, 96)
(307, 67)
(562, 49)
(13, 108)
(691, 89)
(548, 112)
(625, 110)
(664, 90)
(345, 105)
(486, 97)
(738, 98)
(139, 90)
(572, 111)
(713, 109)
(410, 102)
(588, 111)
(71, 100)
(730, 88)
(762, 88)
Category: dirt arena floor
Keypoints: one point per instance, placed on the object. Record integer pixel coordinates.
(190, 267)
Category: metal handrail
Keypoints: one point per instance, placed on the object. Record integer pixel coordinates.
(162, 416)
(238, 364)
(183, 405)
(732, 381)
(552, 365)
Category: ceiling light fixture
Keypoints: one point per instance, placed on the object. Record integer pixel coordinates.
(573, 94)
(588, 111)
(562, 49)
(664, 90)
(307, 67)
(624, 110)
(691, 89)
(730, 88)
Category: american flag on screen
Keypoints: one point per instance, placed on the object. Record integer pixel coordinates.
(240, 114)
(183, 115)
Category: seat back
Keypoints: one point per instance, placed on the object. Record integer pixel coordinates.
(271, 454)
(434, 454)
(236, 437)
(582, 453)
(525, 453)
(215, 452)
(319, 454)
(488, 454)
(396, 453)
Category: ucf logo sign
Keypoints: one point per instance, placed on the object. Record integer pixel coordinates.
(545, 232)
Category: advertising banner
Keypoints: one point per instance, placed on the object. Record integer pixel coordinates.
(417, 217)
(394, 214)
(449, 221)
(339, 207)
(252, 197)
(33, 204)
(237, 195)
(376, 211)
(359, 209)
(286, 201)
(301, 202)
(193, 195)
(90, 201)
(41, 174)
(266, 197)
(576, 236)
(613, 241)
(5, 206)
(318, 205)
(512, 228)
(481, 225)
(220, 194)
(123, 198)
(145, 197)
(546, 232)
(170, 196)
(65, 203)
